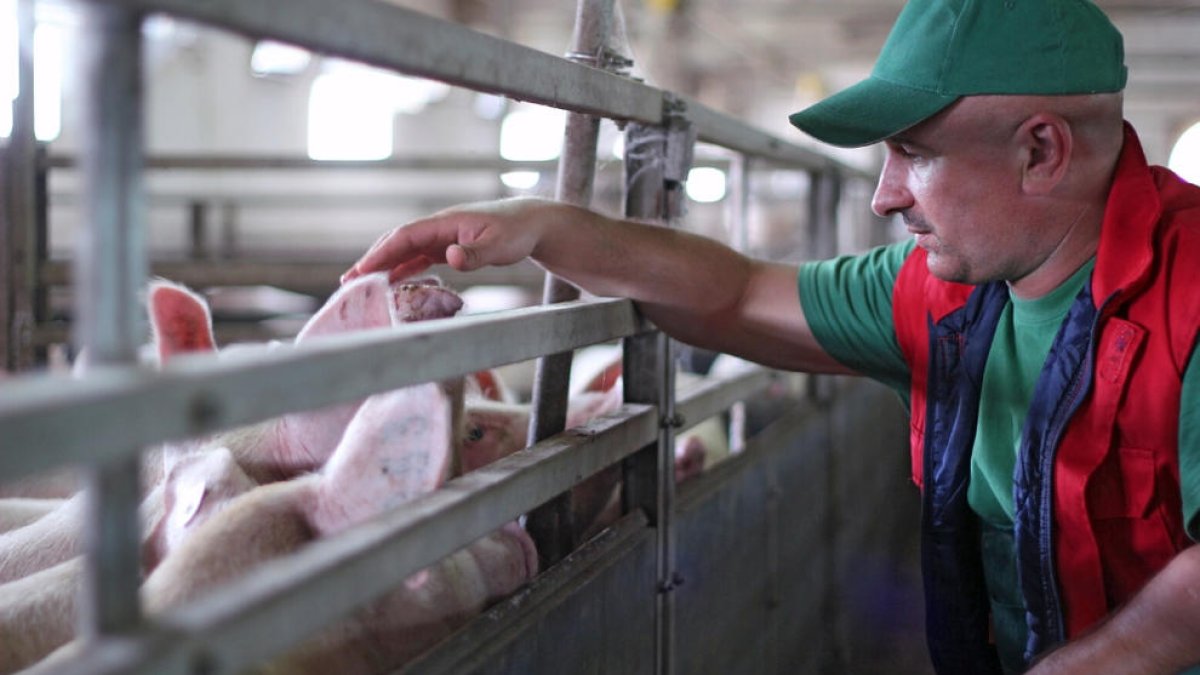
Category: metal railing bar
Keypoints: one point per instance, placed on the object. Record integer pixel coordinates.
(411, 42)
(46, 421)
(715, 394)
(728, 132)
(283, 601)
(417, 44)
(225, 162)
(304, 274)
(222, 162)
(475, 644)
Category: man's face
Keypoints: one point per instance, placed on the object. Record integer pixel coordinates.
(956, 183)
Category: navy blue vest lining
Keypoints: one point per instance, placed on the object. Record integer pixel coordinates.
(956, 604)
(955, 592)
(1060, 389)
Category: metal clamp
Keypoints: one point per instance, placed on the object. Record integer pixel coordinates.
(605, 59)
(681, 144)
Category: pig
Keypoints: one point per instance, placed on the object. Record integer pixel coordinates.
(56, 484)
(17, 512)
(399, 446)
(494, 430)
(274, 450)
(266, 452)
(289, 445)
(37, 614)
(695, 449)
(198, 486)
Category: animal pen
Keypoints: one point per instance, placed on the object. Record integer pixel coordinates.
(736, 571)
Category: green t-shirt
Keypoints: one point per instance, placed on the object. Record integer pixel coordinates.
(847, 302)
(1024, 333)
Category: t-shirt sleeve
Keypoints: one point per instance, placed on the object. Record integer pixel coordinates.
(847, 302)
(1189, 445)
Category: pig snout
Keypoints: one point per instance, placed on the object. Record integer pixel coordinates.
(423, 301)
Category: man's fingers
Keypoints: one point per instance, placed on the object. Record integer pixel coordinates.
(462, 257)
(406, 247)
(409, 268)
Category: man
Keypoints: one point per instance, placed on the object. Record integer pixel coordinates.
(1039, 325)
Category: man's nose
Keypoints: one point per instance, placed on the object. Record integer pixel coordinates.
(890, 194)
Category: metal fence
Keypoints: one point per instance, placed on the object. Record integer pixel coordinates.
(104, 420)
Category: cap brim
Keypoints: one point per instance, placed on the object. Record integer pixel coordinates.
(868, 112)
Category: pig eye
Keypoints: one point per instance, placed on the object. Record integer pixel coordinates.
(474, 434)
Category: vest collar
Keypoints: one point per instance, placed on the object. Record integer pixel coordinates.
(1130, 217)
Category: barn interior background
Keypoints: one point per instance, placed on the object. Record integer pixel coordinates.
(269, 168)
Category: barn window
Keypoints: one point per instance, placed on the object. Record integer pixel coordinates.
(49, 36)
(1185, 156)
(351, 109)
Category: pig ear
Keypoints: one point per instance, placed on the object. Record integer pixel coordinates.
(486, 384)
(361, 304)
(398, 446)
(606, 379)
(588, 405)
(180, 320)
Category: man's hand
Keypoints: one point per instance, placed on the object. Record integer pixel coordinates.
(1155, 633)
(465, 237)
(693, 288)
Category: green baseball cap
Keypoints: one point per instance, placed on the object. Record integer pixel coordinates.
(941, 50)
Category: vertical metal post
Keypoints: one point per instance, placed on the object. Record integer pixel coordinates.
(41, 253)
(6, 266)
(824, 192)
(110, 269)
(229, 231)
(823, 197)
(738, 206)
(738, 215)
(551, 526)
(657, 160)
(19, 220)
(198, 230)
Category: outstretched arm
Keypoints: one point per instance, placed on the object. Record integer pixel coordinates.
(1156, 632)
(695, 289)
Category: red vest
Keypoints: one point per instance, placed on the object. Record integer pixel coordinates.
(1097, 487)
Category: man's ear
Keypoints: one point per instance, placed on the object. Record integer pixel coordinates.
(1046, 143)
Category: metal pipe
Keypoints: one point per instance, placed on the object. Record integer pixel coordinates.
(112, 269)
(552, 526)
